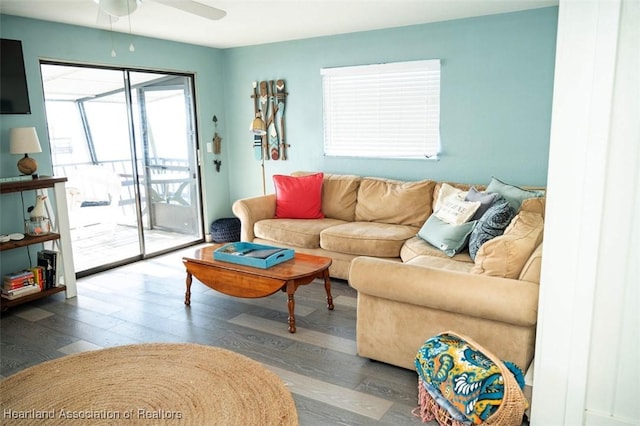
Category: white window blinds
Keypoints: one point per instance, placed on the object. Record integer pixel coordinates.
(383, 111)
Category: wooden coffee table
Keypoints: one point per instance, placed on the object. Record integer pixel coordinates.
(246, 281)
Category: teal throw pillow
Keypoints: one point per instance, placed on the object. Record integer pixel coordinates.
(513, 194)
(451, 239)
(486, 200)
(492, 224)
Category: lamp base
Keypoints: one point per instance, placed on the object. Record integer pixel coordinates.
(27, 165)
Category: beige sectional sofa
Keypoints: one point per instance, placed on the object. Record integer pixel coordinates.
(409, 290)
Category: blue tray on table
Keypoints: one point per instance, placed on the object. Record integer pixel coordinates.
(251, 254)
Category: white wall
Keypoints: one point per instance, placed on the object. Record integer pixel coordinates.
(587, 369)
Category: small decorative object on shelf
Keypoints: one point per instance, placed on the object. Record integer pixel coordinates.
(38, 210)
(38, 223)
(37, 226)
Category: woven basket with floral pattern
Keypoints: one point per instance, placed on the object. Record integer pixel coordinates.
(510, 411)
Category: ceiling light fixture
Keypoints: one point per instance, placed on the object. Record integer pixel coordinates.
(113, 49)
(118, 7)
(114, 9)
(131, 46)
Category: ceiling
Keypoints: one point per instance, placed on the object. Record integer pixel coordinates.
(265, 21)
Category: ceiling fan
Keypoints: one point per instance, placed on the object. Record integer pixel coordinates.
(112, 9)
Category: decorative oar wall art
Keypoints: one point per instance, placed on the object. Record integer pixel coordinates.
(269, 98)
(217, 145)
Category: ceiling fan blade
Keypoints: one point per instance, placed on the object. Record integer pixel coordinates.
(196, 8)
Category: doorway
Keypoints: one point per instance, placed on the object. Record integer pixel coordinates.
(126, 140)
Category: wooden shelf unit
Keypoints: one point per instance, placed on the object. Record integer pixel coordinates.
(61, 238)
(29, 240)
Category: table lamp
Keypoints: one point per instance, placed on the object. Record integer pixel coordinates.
(258, 126)
(24, 140)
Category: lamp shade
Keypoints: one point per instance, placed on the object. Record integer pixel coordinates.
(258, 127)
(24, 140)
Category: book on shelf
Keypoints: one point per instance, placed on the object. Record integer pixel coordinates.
(17, 274)
(20, 292)
(18, 279)
(48, 260)
(38, 275)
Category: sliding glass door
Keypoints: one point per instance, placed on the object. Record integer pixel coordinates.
(126, 140)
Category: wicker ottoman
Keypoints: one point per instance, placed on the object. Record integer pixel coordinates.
(225, 230)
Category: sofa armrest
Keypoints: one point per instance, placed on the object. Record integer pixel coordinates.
(251, 210)
(494, 298)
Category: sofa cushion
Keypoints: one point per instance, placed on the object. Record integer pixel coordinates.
(339, 195)
(416, 246)
(296, 232)
(531, 269)
(492, 224)
(451, 239)
(298, 197)
(442, 263)
(536, 205)
(513, 194)
(366, 238)
(394, 202)
(506, 255)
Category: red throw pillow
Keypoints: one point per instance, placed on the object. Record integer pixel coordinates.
(299, 197)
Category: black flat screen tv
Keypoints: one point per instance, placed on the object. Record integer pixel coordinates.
(14, 96)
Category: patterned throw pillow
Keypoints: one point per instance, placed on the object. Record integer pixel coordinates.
(446, 191)
(492, 224)
(455, 210)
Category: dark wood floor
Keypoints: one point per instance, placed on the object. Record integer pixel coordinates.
(143, 302)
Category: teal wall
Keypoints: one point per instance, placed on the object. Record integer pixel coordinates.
(47, 40)
(496, 93)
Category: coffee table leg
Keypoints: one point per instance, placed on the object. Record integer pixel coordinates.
(291, 304)
(327, 288)
(187, 295)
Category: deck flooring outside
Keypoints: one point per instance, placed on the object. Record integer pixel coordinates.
(100, 244)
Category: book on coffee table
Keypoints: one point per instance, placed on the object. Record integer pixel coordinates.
(263, 253)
